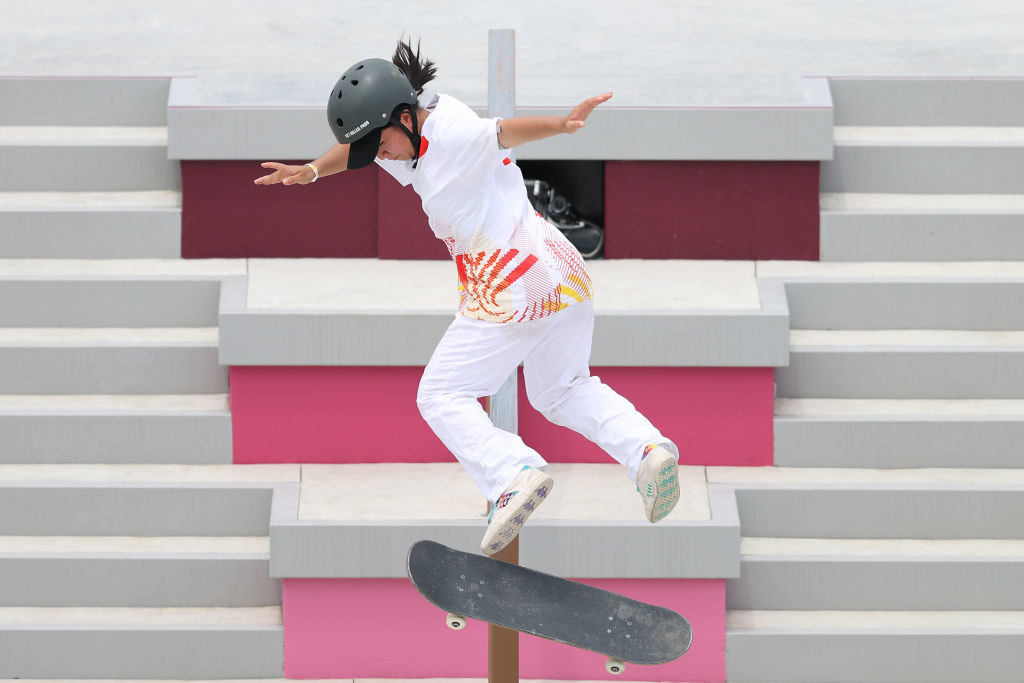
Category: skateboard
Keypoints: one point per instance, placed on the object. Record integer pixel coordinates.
(471, 586)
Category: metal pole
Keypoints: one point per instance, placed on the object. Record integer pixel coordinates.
(502, 408)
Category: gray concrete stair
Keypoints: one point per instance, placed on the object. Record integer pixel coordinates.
(128, 301)
(137, 572)
(883, 575)
(939, 302)
(138, 500)
(91, 101)
(884, 646)
(121, 429)
(921, 227)
(896, 434)
(847, 503)
(111, 361)
(925, 160)
(903, 364)
(91, 225)
(112, 643)
(86, 159)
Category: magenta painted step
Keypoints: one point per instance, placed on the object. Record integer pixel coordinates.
(717, 416)
(383, 628)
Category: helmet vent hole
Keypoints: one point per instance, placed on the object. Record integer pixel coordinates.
(340, 93)
(341, 124)
(360, 67)
(355, 82)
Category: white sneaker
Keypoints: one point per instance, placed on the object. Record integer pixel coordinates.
(528, 490)
(658, 482)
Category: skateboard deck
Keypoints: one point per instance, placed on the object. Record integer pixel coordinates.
(478, 587)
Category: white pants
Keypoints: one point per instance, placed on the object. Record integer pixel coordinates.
(474, 359)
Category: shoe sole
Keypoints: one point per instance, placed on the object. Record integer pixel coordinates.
(510, 529)
(666, 487)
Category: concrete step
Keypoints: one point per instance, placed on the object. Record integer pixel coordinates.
(71, 101)
(139, 500)
(949, 504)
(874, 647)
(865, 101)
(880, 295)
(593, 507)
(903, 364)
(925, 160)
(86, 158)
(111, 361)
(176, 643)
(91, 225)
(130, 301)
(866, 574)
(136, 572)
(898, 433)
(168, 429)
(921, 227)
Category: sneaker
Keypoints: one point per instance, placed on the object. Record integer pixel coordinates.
(658, 482)
(528, 490)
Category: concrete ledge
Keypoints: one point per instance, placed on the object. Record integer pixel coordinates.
(586, 541)
(369, 312)
(209, 118)
(921, 647)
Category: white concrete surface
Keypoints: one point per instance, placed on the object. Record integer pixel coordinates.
(211, 268)
(909, 338)
(163, 545)
(443, 491)
(819, 407)
(786, 476)
(884, 548)
(846, 621)
(917, 203)
(430, 286)
(891, 269)
(564, 50)
(144, 474)
(83, 403)
(931, 135)
(143, 199)
(44, 336)
(140, 616)
(83, 135)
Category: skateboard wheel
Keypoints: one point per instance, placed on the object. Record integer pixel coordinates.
(615, 666)
(455, 622)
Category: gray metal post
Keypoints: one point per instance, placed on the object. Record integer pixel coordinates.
(502, 408)
(501, 101)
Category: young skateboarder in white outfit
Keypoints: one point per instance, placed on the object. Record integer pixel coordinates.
(525, 294)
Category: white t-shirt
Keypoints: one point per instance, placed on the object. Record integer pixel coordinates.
(513, 265)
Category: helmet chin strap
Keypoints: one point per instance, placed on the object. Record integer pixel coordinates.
(414, 134)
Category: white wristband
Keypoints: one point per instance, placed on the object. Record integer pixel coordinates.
(316, 173)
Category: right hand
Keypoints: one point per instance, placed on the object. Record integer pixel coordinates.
(285, 174)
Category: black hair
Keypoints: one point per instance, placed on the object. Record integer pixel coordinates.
(417, 68)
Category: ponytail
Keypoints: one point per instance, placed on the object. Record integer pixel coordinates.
(418, 69)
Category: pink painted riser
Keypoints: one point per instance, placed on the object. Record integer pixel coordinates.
(717, 416)
(383, 628)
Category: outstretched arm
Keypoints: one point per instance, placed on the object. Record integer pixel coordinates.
(334, 160)
(520, 129)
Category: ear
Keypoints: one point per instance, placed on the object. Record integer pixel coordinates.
(406, 119)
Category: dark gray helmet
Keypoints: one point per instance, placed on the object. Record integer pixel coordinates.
(362, 103)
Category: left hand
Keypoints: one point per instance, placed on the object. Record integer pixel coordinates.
(578, 117)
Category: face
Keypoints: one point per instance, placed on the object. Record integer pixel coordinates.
(394, 143)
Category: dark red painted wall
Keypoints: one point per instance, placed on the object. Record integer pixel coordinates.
(663, 209)
(402, 228)
(711, 209)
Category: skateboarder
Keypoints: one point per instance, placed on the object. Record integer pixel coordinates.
(525, 293)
